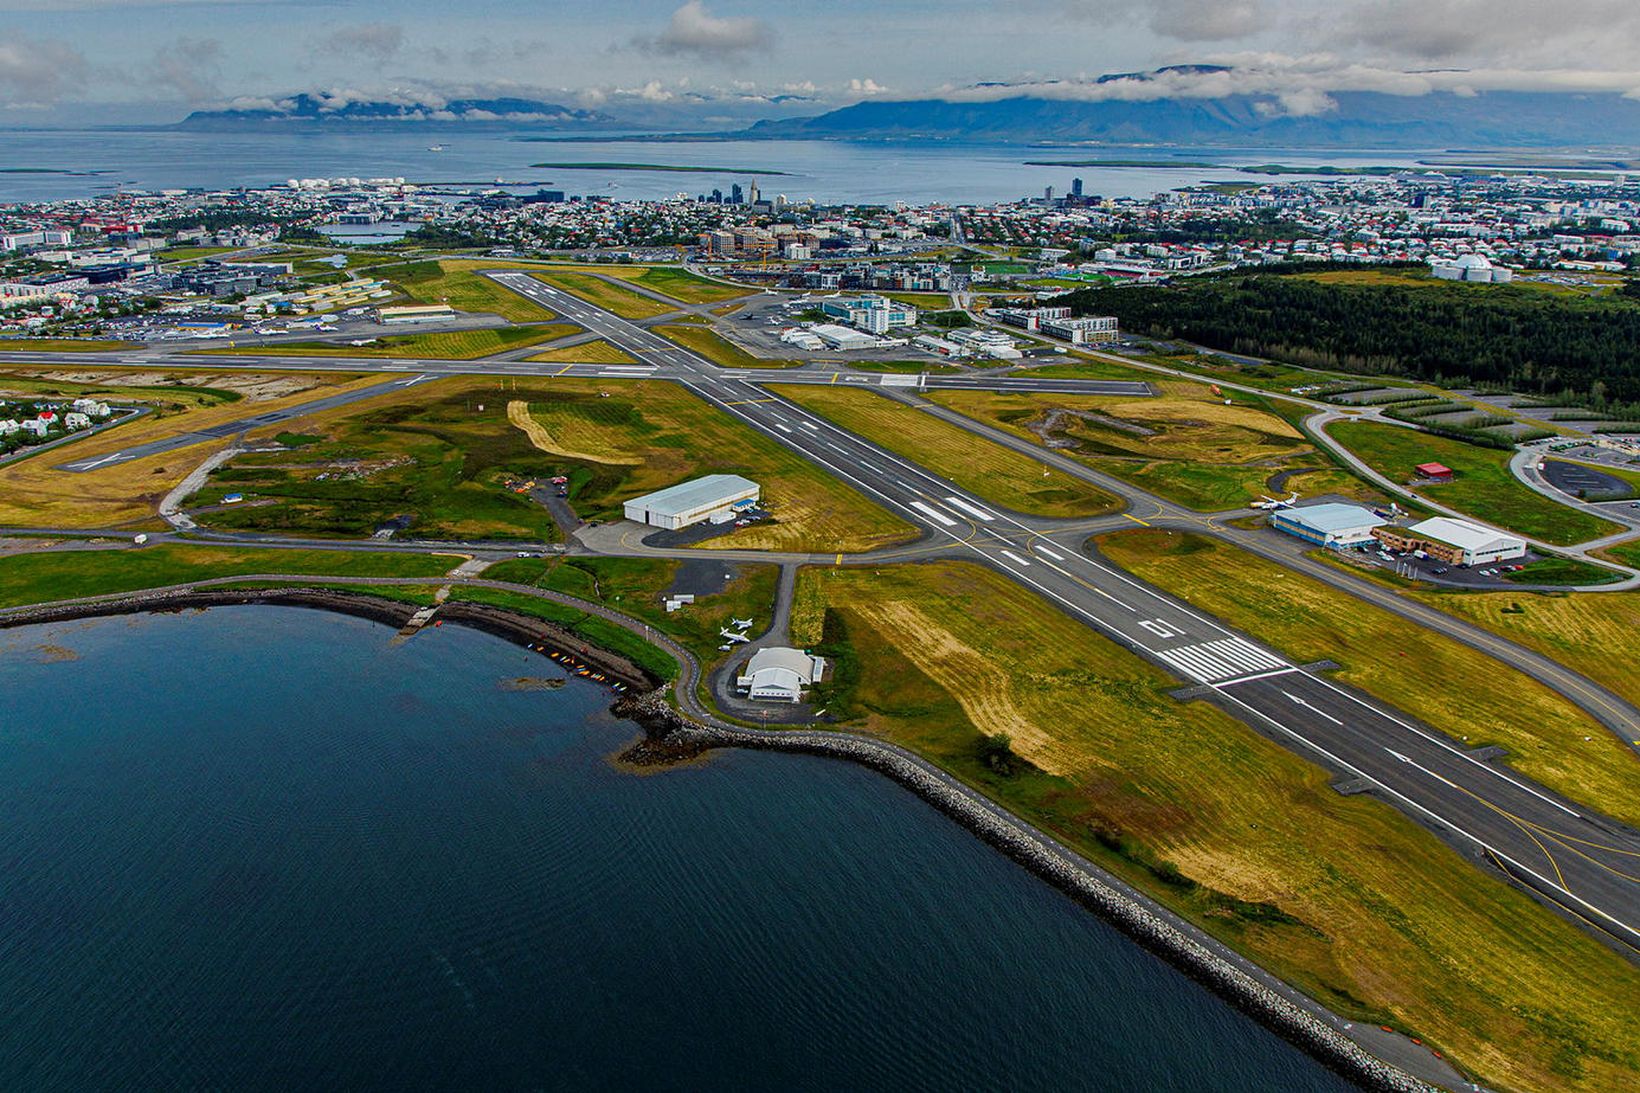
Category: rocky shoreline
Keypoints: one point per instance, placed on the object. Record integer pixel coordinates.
(671, 737)
(670, 731)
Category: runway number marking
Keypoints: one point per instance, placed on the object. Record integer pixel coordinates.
(1159, 628)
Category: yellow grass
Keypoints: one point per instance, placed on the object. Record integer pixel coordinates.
(518, 412)
(612, 298)
(32, 494)
(1592, 633)
(1422, 673)
(989, 470)
(594, 352)
(1343, 896)
(1188, 446)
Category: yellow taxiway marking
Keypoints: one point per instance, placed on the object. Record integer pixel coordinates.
(1136, 520)
(750, 401)
(834, 376)
(564, 369)
(839, 560)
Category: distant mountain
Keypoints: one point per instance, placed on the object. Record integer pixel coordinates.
(312, 109)
(1341, 119)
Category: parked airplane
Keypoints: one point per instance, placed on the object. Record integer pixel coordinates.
(730, 636)
(741, 624)
(1276, 502)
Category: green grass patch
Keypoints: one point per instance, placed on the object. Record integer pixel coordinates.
(716, 348)
(988, 470)
(465, 289)
(61, 345)
(456, 345)
(59, 575)
(1482, 485)
(691, 288)
(612, 298)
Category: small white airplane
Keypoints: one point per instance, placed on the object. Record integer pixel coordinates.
(737, 639)
(741, 624)
(1276, 502)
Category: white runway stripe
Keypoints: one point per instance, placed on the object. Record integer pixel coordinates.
(934, 514)
(1213, 661)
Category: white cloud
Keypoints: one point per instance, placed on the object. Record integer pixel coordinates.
(35, 71)
(695, 32)
(187, 68)
(377, 42)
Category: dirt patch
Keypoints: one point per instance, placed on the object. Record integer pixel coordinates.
(252, 387)
(980, 687)
(518, 413)
(1049, 428)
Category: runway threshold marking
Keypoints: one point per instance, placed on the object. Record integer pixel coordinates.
(1136, 520)
(934, 514)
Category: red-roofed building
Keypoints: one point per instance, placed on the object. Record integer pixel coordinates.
(1434, 472)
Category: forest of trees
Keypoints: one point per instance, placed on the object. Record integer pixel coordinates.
(1525, 339)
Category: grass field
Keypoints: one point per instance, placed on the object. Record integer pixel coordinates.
(1589, 632)
(1185, 445)
(612, 298)
(716, 348)
(123, 494)
(1088, 368)
(40, 576)
(1422, 673)
(1343, 896)
(1482, 486)
(635, 586)
(463, 287)
(680, 284)
(922, 301)
(594, 352)
(444, 452)
(61, 345)
(163, 392)
(998, 474)
(454, 345)
(1626, 553)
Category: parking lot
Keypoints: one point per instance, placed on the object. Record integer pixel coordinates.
(1585, 482)
(1481, 577)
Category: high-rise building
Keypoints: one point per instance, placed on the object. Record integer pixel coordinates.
(737, 196)
(1076, 187)
(1047, 195)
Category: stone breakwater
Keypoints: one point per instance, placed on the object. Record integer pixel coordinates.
(1055, 865)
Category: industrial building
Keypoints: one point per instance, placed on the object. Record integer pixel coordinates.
(779, 674)
(716, 497)
(1456, 542)
(875, 314)
(1057, 322)
(843, 338)
(1331, 524)
(1471, 267)
(415, 313)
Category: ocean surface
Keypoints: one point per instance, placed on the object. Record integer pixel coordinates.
(830, 171)
(266, 848)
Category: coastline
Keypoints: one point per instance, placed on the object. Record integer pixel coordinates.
(670, 733)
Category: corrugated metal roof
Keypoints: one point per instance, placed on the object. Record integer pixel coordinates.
(1463, 534)
(697, 493)
(1332, 517)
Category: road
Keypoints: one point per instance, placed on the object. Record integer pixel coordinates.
(1577, 860)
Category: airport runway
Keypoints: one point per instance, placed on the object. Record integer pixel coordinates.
(230, 428)
(1589, 866)
(1579, 861)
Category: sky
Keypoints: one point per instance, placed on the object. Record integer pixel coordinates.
(63, 61)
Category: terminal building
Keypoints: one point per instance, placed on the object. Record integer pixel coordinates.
(716, 497)
(875, 314)
(1057, 322)
(779, 674)
(1456, 542)
(1331, 524)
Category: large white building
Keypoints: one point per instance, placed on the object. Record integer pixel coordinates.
(779, 674)
(1058, 323)
(1330, 524)
(716, 497)
(1471, 267)
(1472, 544)
(875, 314)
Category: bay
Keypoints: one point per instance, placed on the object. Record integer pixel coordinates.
(829, 171)
(267, 848)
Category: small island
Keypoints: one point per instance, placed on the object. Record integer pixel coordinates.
(679, 168)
